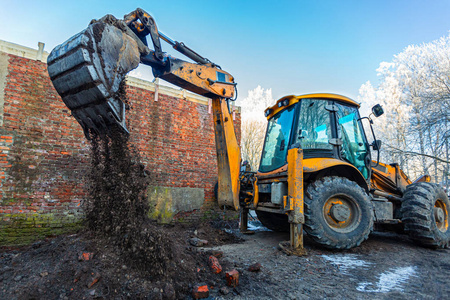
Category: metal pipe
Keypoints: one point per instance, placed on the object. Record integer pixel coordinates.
(386, 195)
(167, 39)
(183, 49)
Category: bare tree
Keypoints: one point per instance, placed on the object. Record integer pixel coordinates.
(252, 141)
(254, 124)
(415, 90)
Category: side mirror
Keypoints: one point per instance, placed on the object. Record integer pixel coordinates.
(377, 110)
(376, 145)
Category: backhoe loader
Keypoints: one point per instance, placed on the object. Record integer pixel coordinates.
(316, 171)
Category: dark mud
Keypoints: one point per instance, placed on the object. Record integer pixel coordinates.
(387, 266)
(117, 205)
(53, 268)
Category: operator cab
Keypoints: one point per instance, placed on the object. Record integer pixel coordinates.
(324, 125)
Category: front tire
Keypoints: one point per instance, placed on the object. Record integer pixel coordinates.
(338, 213)
(425, 213)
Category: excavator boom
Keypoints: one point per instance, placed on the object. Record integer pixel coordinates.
(89, 69)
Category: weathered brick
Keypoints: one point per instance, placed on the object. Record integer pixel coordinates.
(214, 264)
(232, 278)
(200, 291)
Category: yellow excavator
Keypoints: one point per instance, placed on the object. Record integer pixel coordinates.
(316, 171)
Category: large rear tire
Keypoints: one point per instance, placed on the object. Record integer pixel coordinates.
(338, 213)
(425, 213)
(273, 221)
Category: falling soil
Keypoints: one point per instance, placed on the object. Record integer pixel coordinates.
(117, 207)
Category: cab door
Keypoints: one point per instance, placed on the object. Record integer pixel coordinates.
(354, 148)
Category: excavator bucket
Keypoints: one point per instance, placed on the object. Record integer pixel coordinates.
(88, 70)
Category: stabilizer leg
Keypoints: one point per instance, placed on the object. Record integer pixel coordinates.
(293, 204)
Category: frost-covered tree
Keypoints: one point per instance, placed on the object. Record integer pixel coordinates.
(254, 124)
(414, 90)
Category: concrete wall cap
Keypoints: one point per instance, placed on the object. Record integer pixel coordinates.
(166, 90)
(22, 51)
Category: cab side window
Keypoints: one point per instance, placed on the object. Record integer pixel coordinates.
(354, 146)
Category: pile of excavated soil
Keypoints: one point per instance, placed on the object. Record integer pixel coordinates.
(55, 268)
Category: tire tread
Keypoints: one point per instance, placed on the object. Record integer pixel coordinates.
(418, 216)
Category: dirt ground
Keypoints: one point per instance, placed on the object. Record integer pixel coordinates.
(55, 269)
(387, 266)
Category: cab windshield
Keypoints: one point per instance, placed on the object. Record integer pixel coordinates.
(312, 132)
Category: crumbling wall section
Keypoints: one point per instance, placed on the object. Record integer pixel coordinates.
(44, 155)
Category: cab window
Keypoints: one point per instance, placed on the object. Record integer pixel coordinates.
(354, 147)
(277, 139)
(314, 129)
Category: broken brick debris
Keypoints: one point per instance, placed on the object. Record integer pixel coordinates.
(200, 291)
(232, 278)
(256, 267)
(214, 264)
(85, 256)
(95, 278)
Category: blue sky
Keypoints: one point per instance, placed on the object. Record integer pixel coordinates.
(293, 47)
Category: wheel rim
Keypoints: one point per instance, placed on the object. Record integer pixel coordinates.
(441, 215)
(342, 213)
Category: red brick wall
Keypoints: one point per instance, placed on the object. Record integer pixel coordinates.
(175, 138)
(44, 155)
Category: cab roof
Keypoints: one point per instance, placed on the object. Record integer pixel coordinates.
(292, 99)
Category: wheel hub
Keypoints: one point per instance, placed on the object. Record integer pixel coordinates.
(340, 213)
(439, 214)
